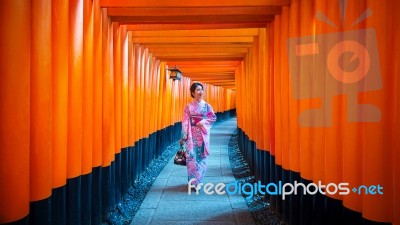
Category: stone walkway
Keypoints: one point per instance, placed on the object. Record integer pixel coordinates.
(168, 201)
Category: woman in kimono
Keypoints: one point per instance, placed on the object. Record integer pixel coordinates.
(196, 124)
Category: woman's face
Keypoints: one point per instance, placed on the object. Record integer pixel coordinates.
(198, 92)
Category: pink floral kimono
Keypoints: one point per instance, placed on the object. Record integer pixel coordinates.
(197, 138)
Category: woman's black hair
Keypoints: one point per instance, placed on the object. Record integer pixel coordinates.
(193, 88)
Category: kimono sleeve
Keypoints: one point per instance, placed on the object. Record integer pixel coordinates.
(185, 122)
(210, 117)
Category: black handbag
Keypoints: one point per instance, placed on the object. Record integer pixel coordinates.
(180, 158)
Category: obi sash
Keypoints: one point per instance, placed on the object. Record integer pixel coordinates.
(195, 119)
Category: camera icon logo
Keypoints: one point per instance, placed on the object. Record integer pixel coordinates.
(322, 66)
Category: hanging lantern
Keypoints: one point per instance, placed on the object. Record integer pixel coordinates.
(175, 73)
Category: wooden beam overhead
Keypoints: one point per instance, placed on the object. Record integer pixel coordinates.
(215, 81)
(198, 33)
(217, 84)
(192, 19)
(174, 40)
(232, 87)
(194, 26)
(218, 81)
(230, 84)
(207, 74)
(206, 39)
(166, 49)
(207, 69)
(191, 3)
(203, 63)
(196, 54)
(210, 79)
(211, 76)
(198, 45)
(194, 11)
(215, 75)
(200, 59)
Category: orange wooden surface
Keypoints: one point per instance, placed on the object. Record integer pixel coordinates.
(60, 43)
(271, 84)
(293, 129)
(194, 11)
(162, 93)
(142, 93)
(41, 102)
(91, 92)
(196, 3)
(395, 128)
(131, 91)
(376, 147)
(268, 84)
(146, 57)
(351, 152)
(306, 133)
(285, 151)
(97, 85)
(117, 85)
(194, 26)
(153, 86)
(256, 89)
(137, 52)
(107, 104)
(87, 88)
(155, 93)
(75, 81)
(277, 101)
(261, 88)
(14, 110)
(124, 87)
(112, 86)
